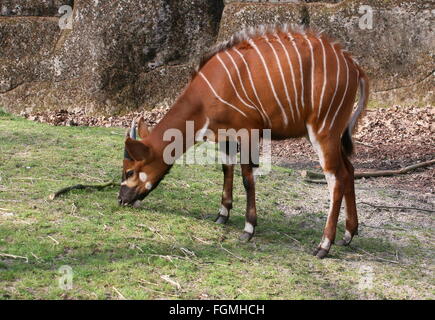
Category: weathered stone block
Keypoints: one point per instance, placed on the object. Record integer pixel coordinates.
(398, 52)
(119, 55)
(48, 8)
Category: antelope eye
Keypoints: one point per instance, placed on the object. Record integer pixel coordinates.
(129, 174)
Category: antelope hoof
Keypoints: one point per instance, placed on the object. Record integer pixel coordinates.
(221, 219)
(246, 236)
(320, 252)
(343, 242)
(346, 239)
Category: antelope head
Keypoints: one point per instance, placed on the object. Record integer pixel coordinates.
(143, 168)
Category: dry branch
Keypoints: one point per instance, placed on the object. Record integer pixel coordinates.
(7, 255)
(372, 255)
(320, 181)
(315, 177)
(386, 173)
(228, 251)
(81, 187)
(168, 279)
(121, 296)
(396, 207)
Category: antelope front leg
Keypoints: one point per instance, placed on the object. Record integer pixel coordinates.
(251, 211)
(227, 194)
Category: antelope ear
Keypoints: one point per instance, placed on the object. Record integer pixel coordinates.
(142, 128)
(137, 150)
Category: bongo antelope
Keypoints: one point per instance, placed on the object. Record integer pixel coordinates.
(292, 81)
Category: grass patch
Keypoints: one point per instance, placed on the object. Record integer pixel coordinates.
(173, 235)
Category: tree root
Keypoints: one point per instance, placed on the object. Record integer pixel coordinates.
(396, 207)
(81, 187)
(315, 177)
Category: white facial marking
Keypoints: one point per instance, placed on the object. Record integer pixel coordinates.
(249, 228)
(223, 211)
(148, 185)
(143, 176)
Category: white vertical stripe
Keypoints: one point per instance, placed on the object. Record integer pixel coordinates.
(253, 86)
(336, 87)
(239, 77)
(293, 42)
(218, 97)
(324, 78)
(232, 83)
(345, 91)
(252, 43)
(282, 75)
(242, 85)
(312, 70)
(293, 75)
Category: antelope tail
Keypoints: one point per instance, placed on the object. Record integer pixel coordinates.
(346, 139)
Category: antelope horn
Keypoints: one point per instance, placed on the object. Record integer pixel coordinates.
(133, 129)
(132, 135)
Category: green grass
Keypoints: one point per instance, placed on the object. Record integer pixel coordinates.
(115, 249)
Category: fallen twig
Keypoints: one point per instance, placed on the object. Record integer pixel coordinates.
(226, 250)
(81, 187)
(371, 254)
(51, 238)
(386, 173)
(364, 144)
(156, 291)
(201, 240)
(395, 207)
(35, 256)
(315, 181)
(168, 279)
(315, 177)
(7, 255)
(312, 175)
(119, 293)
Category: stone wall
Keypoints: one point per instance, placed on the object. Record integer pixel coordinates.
(124, 55)
(119, 55)
(398, 53)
